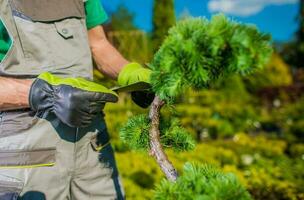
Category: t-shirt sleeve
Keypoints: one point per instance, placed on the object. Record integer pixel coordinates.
(95, 13)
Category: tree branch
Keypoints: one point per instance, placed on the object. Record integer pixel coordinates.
(156, 149)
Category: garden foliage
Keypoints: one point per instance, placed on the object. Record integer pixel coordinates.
(196, 54)
(263, 147)
(202, 183)
(234, 130)
(260, 164)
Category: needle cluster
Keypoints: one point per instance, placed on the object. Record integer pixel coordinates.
(197, 52)
(135, 133)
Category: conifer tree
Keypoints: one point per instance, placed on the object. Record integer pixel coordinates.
(163, 19)
(300, 39)
(196, 54)
(293, 52)
(122, 20)
(301, 21)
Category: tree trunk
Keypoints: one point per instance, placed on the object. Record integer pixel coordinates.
(156, 149)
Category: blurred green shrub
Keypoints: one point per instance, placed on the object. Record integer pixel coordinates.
(202, 182)
(289, 118)
(220, 111)
(276, 73)
(297, 150)
(263, 186)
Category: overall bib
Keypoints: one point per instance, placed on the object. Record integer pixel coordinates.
(43, 158)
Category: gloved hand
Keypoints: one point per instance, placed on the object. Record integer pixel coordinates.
(75, 101)
(134, 73)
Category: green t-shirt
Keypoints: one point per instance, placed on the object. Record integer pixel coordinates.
(95, 15)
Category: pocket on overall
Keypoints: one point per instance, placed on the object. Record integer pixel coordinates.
(10, 188)
(15, 122)
(49, 31)
(100, 139)
(15, 127)
(15, 159)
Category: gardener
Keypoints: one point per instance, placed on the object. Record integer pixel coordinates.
(53, 139)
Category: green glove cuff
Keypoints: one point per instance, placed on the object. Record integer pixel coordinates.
(133, 73)
(78, 82)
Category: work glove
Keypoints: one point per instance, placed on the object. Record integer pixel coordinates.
(138, 76)
(75, 101)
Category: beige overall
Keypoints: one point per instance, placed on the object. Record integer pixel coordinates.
(45, 159)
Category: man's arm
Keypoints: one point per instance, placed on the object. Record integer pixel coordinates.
(109, 61)
(14, 93)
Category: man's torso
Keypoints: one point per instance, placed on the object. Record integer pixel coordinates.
(48, 36)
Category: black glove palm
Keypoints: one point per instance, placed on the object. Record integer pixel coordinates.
(143, 98)
(75, 101)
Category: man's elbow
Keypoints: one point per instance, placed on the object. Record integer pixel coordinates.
(99, 46)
